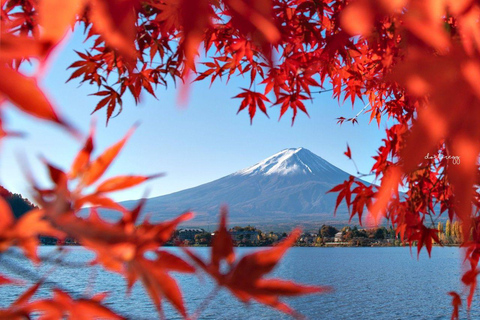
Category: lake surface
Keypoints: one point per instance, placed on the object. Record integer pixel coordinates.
(369, 283)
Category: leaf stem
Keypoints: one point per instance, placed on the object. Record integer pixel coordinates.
(205, 303)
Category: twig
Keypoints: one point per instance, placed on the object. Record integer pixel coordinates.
(205, 303)
(48, 259)
(33, 276)
(322, 91)
(360, 112)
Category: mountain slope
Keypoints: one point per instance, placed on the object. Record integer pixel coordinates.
(288, 188)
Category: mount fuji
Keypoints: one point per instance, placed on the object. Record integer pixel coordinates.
(284, 190)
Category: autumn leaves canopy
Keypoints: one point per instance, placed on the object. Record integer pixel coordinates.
(415, 63)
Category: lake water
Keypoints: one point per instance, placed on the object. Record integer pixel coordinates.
(369, 283)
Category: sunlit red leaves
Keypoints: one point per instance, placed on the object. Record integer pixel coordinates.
(123, 182)
(252, 100)
(88, 67)
(62, 304)
(84, 173)
(19, 47)
(448, 116)
(250, 16)
(344, 192)
(59, 306)
(291, 101)
(456, 303)
(155, 277)
(4, 280)
(469, 278)
(363, 197)
(348, 153)
(19, 309)
(363, 200)
(115, 21)
(23, 232)
(388, 188)
(126, 246)
(196, 17)
(222, 245)
(139, 81)
(131, 249)
(425, 237)
(24, 93)
(111, 99)
(54, 29)
(245, 277)
(82, 159)
(358, 18)
(432, 92)
(98, 166)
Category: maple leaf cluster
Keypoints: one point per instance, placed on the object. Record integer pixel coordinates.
(415, 62)
(129, 246)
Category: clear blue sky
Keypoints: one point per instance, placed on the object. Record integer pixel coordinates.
(193, 144)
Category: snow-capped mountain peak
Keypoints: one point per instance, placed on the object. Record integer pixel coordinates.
(287, 162)
(288, 188)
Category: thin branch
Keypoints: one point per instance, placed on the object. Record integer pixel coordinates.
(205, 303)
(33, 276)
(322, 91)
(363, 109)
(50, 259)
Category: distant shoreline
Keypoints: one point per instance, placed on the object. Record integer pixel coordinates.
(327, 245)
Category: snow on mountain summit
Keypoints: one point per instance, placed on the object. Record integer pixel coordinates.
(289, 161)
(287, 189)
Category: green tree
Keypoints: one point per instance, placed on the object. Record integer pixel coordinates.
(327, 231)
(380, 233)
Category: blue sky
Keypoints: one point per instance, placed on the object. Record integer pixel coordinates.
(192, 144)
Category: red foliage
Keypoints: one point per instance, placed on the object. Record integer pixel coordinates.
(416, 62)
(244, 278)
(456, 303)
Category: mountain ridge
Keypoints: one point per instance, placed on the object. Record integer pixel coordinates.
(286, 189)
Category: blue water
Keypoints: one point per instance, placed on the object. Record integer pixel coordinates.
(369, 283)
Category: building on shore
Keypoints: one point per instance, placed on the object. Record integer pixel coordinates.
(189, 234)
(339, 237)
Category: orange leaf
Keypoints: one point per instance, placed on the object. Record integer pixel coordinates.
(254, 16)
(101, 164)
(5, 280)
(6, 216)
(245, 278)
(123, 182)
(469, 278)
(348, 153)
(55, 28)
(456, 303)
(222, 246)
(82, 159)
(20, 47)
(26, 95)
(389, 187)
(357, 18)
(159, 283)
(115, 20)
(98, 201)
